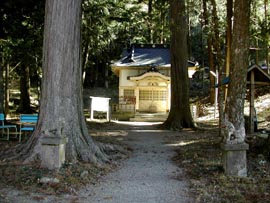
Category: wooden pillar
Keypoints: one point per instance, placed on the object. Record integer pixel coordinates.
(137, 95)
(168, 97)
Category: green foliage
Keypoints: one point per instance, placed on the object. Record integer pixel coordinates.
(260, 30)
(110, 25)
(107, 27)
(21, 34)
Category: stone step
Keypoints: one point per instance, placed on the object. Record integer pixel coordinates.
(150, 117)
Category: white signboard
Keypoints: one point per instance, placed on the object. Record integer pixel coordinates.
(100, 104)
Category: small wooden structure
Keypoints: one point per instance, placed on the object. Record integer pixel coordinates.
(255, 76)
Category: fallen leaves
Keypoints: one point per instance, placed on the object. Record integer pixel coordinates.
(202, 162)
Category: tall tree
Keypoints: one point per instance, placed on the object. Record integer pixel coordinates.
(229, 7)
(234, 119)
(180, 115)
(209, 48)
(61, 105)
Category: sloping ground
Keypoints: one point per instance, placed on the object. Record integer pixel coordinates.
(262, 106)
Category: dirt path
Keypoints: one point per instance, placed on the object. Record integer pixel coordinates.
(148, 176)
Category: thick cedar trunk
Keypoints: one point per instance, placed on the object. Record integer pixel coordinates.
(238, 72)
(61, 106)
(180, 115)
(24, 106)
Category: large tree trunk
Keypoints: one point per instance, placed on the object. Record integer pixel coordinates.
(61, 106)
(180, 115)
(234, 118)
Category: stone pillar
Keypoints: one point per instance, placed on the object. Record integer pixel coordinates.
(53, 152)
(234, 159)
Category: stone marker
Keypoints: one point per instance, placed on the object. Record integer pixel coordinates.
(53, 152)
(234, 159)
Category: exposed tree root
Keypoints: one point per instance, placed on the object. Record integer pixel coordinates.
(96, 153)
(176, 125)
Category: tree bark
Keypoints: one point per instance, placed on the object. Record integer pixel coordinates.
(61, 105)
(180, 115)
(238, 72)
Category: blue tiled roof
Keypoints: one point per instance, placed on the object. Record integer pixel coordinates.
(145, 55)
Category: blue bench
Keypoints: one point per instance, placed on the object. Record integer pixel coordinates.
(6, 127)
(27, 123)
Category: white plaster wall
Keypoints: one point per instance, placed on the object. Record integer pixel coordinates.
(144, 106)
(123, 77)
(124, 83)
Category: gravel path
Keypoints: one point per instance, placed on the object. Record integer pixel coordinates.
(148, 176)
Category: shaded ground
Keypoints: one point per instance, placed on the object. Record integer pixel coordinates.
(199, 154)
(148, 175)
(199, 176)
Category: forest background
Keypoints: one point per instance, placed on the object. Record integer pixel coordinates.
(108, 26)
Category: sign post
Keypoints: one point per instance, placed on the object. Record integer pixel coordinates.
(101, 104)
